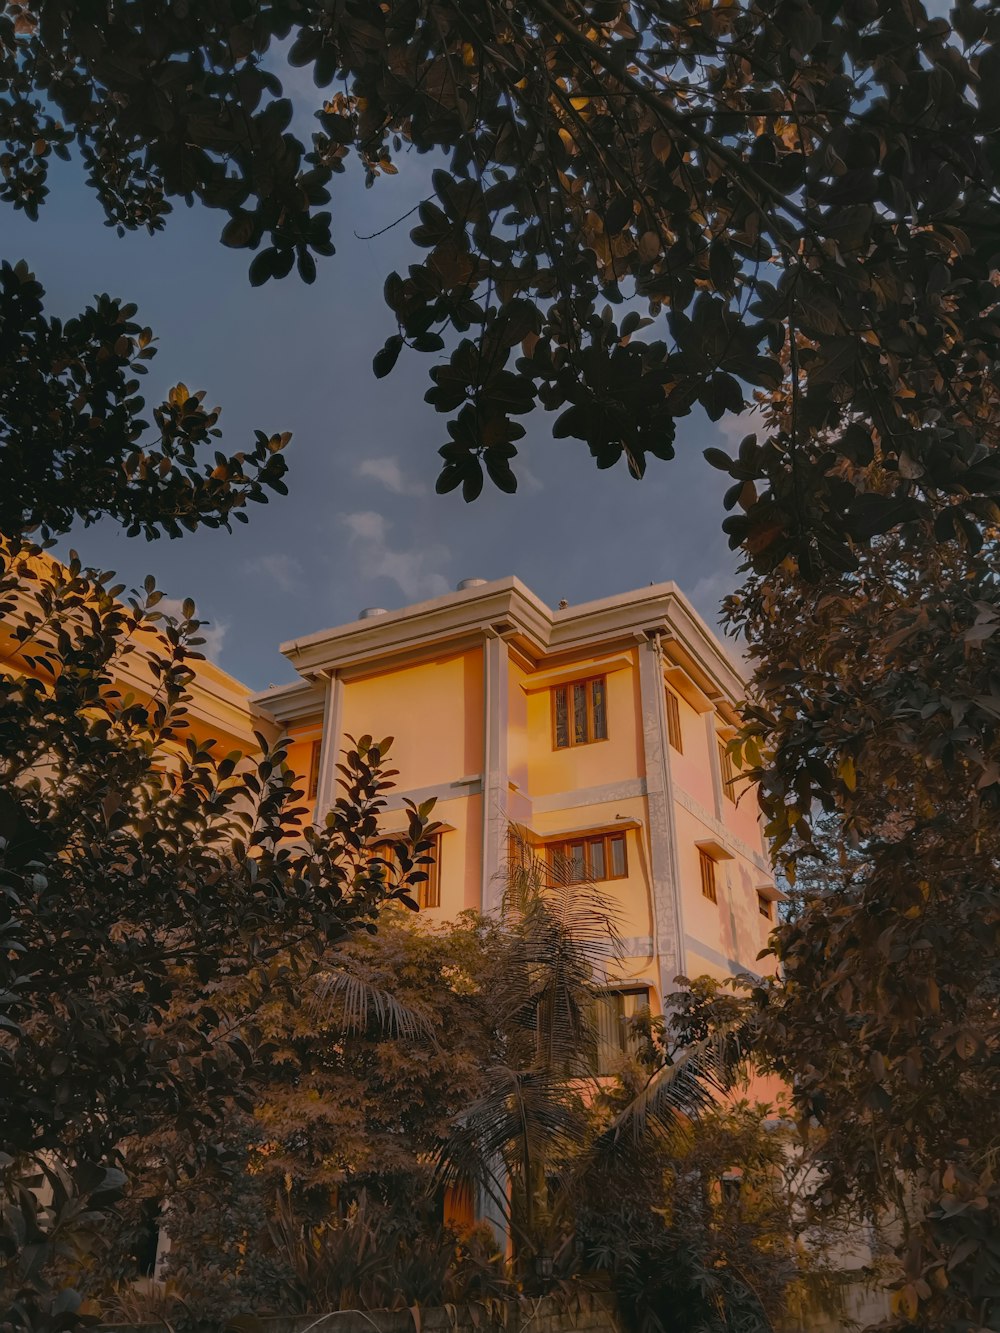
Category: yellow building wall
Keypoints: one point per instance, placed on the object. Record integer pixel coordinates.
(744, 930)
(628, 898)
(433, 711)
(741, 817)
(519, 740)
(730, 930)
(691, 769)
(580, 766)
(702, 917)
(460, 856)
(218, 708)
(299, 757)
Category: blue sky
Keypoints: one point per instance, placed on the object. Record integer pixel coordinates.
(361, 525)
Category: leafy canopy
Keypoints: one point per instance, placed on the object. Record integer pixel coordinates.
(321, 1194)
(881, 786)
(73, 442)
(800, 197)
(142, 870)
(634, 207)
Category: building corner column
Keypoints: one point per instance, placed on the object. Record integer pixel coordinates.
(329, 750)
(664, 864)
(495, 768)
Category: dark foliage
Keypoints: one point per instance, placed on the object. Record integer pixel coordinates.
(800, 198)
(140, 868)
(887, 1019)
(74, 445)
(638, 207)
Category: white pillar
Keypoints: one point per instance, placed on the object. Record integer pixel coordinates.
(329, 752)
(495, 768)
(495, 818)
(664, 866)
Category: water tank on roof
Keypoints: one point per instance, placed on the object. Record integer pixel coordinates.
(370, 612)
(469, 583)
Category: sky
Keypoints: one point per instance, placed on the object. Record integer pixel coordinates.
(361, 525)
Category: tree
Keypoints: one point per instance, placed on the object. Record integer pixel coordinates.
(74, 445)
(761, 178)
(370, 1070)
(139, 866)
(369, 1065)
(483, 1061)
(363, 1066)
(801, 197)
(696, 1232)
(887, 1021)
(544, 1138)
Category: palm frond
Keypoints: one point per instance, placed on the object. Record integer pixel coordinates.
(561, 940)
(679, 1092)
(502, 1143)
(520, 1115)
(355, 1002)
(583, 911)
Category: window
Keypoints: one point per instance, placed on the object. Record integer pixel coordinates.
(583, 859)
(731, 1183)
(764, 905)
(580, 712)
(313, 789)
(428, 891)
(708, 876)
(728, 771)
(674, 733)
(614, 1011)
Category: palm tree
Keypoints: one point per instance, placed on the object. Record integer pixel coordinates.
(534, 1140)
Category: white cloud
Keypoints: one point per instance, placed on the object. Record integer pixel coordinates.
(214, 635)
(412, 570)
(388, 473)
(284, 570)
(528, 482)
(366, 524)
(733, 429)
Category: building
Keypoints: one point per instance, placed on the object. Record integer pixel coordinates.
(600, 729)
(218, 709)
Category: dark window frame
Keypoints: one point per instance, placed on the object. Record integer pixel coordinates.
(428, 892)
(620, 1027)
(558, 852)
(764, 906)
(707, 864)
(566, 690)
(675, 733)
(312, 787)
(727, 771)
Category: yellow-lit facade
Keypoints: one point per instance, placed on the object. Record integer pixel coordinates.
(599, 729)
(219, 707)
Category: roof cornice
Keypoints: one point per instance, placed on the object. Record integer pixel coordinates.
(288, 703)
(506, 606)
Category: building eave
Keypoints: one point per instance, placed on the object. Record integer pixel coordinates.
(505, 604)
(290, 703)
(509, 608)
